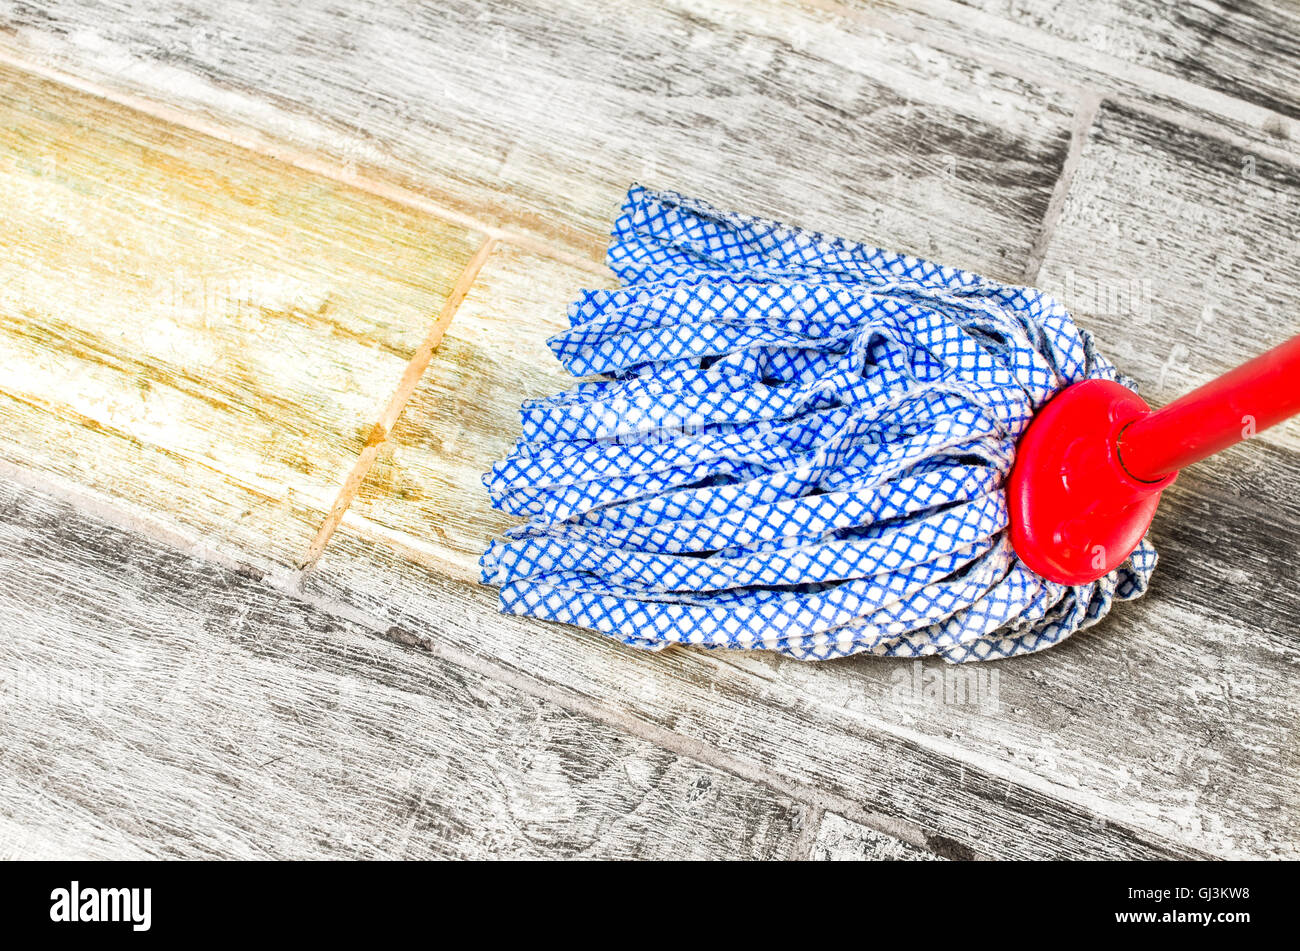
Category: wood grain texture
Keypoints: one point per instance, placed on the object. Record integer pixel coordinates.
(1125, 741)
(1249, 50)
(1074, 65)
(197, 329)
(157, 706)
(1179, 251)
(538, 115)
(840, 840)
(1228, 531)
(1167, 731)
(426, 482)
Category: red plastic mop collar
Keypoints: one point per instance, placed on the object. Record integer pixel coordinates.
(1090, 468)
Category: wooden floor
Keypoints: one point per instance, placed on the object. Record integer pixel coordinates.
(273, 283)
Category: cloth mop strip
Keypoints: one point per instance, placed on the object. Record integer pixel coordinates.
(884, 612)
(773, 617)
(867, 427)
(852, 448)
(792, 521)
(881, 550)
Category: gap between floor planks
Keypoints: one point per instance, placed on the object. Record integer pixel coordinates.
(397, 403)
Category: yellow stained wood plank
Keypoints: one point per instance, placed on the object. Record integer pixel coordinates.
(425, 484)
(202, 332)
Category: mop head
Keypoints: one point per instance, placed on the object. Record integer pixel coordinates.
(794, 443)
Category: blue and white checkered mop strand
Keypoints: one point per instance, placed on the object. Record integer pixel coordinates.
(796, 443)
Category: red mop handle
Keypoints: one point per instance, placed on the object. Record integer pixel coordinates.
(1225, 411)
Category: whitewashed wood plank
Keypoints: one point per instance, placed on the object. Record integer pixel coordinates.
(1099, 63)
(1250, 50)
(1228, 531)
(538, 115)
(840, 840)
(1123, 741)
(1179, 251)
(218, 514)
(158, 706)
(194, 328)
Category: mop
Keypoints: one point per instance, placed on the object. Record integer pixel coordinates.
(787, 441)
